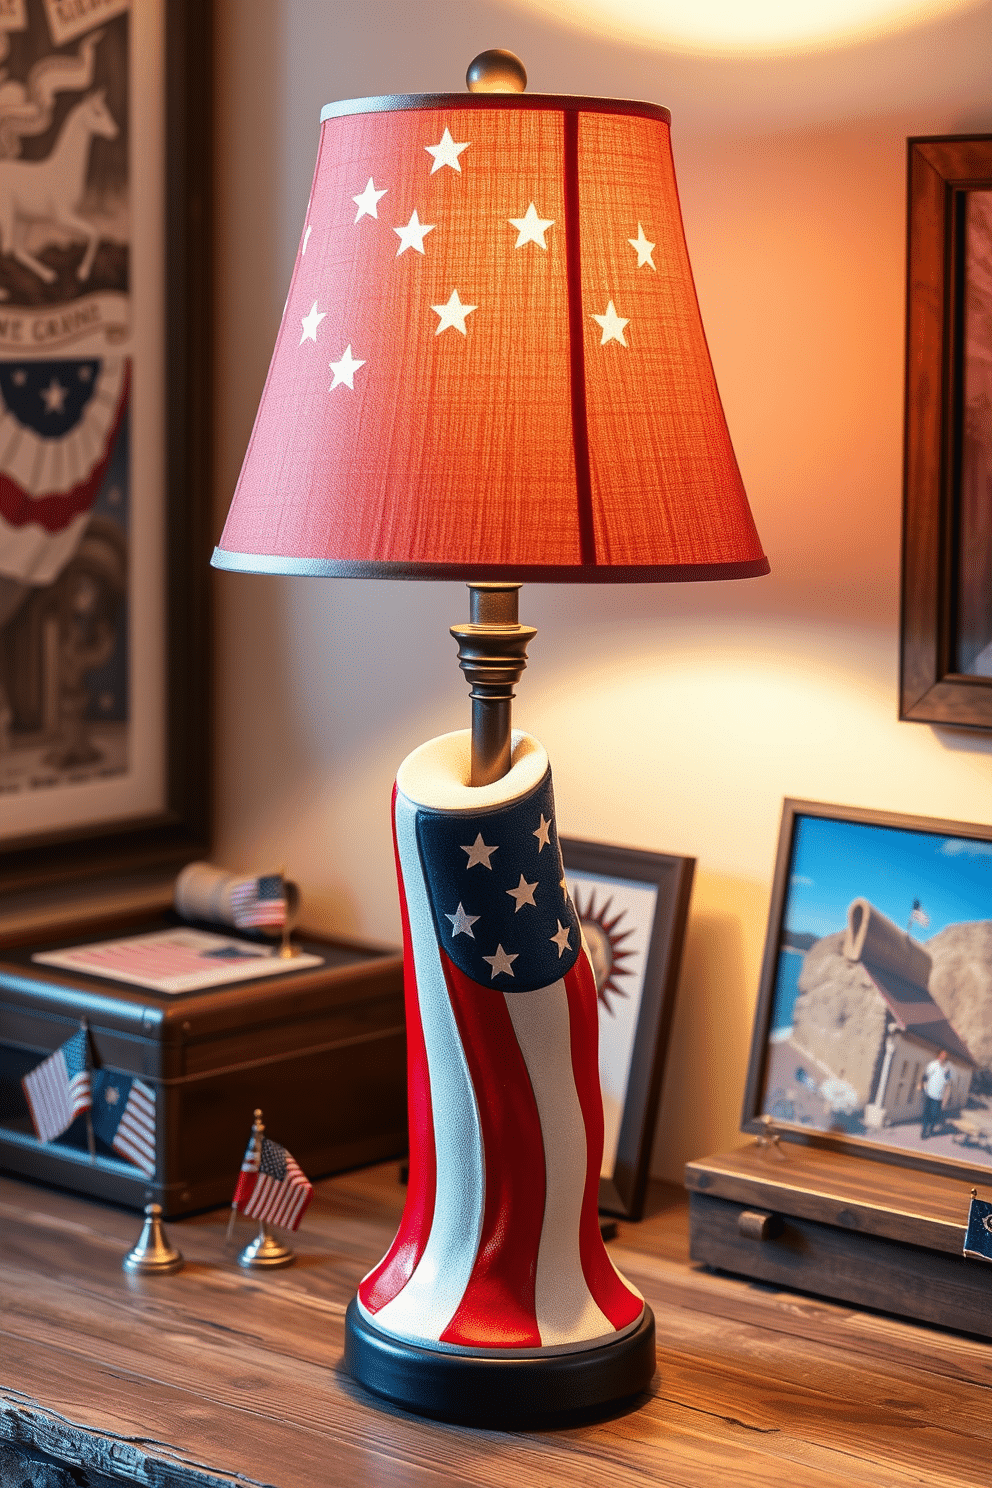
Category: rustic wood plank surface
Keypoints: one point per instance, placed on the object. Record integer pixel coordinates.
(214, 1377)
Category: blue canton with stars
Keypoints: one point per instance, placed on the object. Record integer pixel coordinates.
(110, 1097)
(48, 397)
(496, 893)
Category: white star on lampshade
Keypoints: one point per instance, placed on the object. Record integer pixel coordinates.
(523, 894)
(54, 397)
(413, 234)
(111, 1095)
(452, 314)
(543, 839)
(612, 325)
(446, 152)
(478, 852)
(367, 201)
(561, 939)
(643, 249)
(306, 239)
(310, 322)
(501, 963)
(344, 370)
(531, 228)
(461, 923)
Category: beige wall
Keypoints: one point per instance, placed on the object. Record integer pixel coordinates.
(676, 717)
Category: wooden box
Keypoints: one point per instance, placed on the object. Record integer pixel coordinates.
(321, 1050)
(844, 1227)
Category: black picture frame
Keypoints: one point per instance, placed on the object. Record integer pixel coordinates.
(179, 831)
(606, 868)
(937, 573)
(960, 1136)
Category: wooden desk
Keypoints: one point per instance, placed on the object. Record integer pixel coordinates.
(217, 1377)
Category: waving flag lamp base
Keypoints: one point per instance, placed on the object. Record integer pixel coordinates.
(497, 1301)
(480, 1389)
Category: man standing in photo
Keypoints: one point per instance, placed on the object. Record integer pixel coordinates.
(936, 1078)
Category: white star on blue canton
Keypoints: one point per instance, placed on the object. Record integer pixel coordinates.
(523, 894)
(461, 923)
(561, 939)
(478, 852)
(501, 963)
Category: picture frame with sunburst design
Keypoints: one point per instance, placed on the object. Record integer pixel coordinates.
(633, 907)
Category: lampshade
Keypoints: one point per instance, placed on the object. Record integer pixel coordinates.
(491, 362)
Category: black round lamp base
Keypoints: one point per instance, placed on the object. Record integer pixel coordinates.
(548, 1390)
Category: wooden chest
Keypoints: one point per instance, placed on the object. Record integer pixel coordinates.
(843, 1227)
(321, 1050)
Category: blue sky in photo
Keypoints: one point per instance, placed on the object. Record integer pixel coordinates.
(834, 862)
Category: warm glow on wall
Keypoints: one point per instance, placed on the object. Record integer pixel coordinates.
(761, 26)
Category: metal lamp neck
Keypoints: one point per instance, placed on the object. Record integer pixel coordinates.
(492, 652)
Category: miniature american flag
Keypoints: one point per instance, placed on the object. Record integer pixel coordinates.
(58, 1089)
(259, 901)
(272, 1186)
(124, 1117)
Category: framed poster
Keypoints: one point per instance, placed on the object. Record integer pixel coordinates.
(873, 1032)
(105, 405)
(946, 640)
(633, 907)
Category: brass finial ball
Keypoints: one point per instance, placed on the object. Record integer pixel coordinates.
(496, 71)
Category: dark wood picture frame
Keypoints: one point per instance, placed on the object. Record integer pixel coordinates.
(752, 1117)
(933, 689)
(181, 830)
(623, 1192)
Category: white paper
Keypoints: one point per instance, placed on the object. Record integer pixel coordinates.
(179, 960)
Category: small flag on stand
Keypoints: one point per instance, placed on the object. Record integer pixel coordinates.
(272, 1186)
(919, 915)
(124, 1117)
(59, 1088)
(978, 1236)
(256, 902)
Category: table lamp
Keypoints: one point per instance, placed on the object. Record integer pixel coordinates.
(491, 366)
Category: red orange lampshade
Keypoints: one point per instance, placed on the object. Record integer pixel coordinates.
(491, 363)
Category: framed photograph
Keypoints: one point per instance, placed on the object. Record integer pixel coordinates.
(946, 640)
(105, 409)
(633, 908)
(873, 1031)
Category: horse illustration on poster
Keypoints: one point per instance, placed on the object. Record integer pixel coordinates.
(50, 191)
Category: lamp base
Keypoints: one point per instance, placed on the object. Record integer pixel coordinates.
(548, 1390)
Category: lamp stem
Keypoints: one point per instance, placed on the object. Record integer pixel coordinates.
(492, 652)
